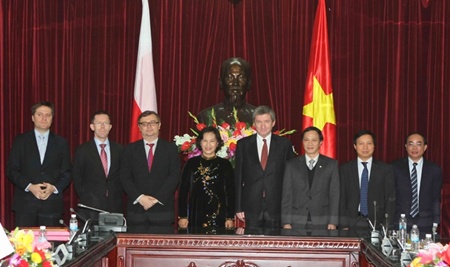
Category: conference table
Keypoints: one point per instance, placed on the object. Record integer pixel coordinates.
(224, 248)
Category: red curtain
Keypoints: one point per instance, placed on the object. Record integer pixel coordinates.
(388, 65)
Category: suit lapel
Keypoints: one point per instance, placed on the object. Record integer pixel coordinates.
(93, 152)
(426, 168)
(114, 156)
(253, 152)
(405, 169)
(318, 170)
(354, 183)
(303, 170)
(159, 149)
(51, 146)
(32, 145)
(273, 152)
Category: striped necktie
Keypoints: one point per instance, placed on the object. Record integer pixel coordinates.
(415, 195)
(104, 159)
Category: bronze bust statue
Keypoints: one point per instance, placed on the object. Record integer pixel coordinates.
(235, 81)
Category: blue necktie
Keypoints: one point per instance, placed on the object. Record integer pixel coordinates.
(363, 192)
(415, 195)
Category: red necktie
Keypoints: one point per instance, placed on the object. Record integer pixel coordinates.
(150, 156)
(264, 154)
(104, 158)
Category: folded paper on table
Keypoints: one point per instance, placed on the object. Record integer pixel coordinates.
(5, 246)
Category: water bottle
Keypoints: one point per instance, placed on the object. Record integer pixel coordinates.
(42, 234)
(428, 240)
(415, 238)
(434, 231)
(402, 229)
(73, 225)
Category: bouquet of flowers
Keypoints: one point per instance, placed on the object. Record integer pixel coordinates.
(29, 252)
(230, 134)
(434, 255)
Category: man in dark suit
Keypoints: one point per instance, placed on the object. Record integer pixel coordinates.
(311, 187)
(380, 197)
(39, 167)
(428, 185)
(259, 171)
(149, 173)
(96, 170)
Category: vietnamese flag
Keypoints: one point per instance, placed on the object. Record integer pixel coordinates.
(318, 109)
(144, 87)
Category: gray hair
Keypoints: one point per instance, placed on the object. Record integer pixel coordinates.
(261, 110)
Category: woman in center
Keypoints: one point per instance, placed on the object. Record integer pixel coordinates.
(206, 195)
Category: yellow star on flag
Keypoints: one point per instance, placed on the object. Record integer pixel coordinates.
(321, 109)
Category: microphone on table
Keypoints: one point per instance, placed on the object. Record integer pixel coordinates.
(78, 215)
(387, 221)
(87, 222)
(61, 221)
(108, 221)
(375, 235)
(91, 208)
(374, 214)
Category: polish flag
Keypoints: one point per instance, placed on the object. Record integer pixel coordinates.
(144, 87)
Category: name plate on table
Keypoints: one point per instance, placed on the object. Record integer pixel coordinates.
(53, 233)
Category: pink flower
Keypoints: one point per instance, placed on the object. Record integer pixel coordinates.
(426, 258)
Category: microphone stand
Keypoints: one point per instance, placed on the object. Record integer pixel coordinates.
(108, 221)
(375, 235)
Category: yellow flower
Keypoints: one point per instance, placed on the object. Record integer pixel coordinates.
(416, 262)
(28, 239)
(36, 257)
(21, 249)
(22, 241)
(249, 131)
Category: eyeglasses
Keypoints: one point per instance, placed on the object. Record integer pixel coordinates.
(104, 123)
(150, 123)
(417, 144)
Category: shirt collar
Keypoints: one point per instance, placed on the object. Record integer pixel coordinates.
(316, 158)
(153, 142)
(98, 142)
(268, 137)
(419, 162)
(369, 161)
(46, 134)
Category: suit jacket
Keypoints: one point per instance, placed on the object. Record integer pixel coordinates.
(429, 195)
(252, 180)
(381, 190)
(91, 184)
(24, 167)
(321, 201)
(161, 182)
